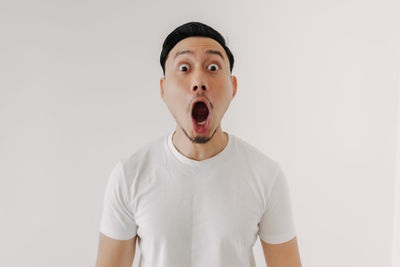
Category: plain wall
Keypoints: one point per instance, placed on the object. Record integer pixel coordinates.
(396, 189)
(317, 91)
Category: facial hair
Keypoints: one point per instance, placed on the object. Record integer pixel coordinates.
(198, 139)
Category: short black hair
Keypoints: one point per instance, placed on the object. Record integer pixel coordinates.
(192, 29)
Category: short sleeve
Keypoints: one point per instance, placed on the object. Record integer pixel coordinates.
(277, 223)
(117, 219)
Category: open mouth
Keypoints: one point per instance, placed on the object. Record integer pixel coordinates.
(200, 112)
(200, 116)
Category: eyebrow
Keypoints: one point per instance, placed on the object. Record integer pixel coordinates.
(214, 52)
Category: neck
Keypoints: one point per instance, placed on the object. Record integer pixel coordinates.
(196, 148)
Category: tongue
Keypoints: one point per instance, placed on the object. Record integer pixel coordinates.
(200, 111)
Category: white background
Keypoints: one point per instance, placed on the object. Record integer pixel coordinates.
(318, 91)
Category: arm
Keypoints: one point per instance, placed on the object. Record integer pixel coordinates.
(282, 255)
(115, 253)
(117, 242)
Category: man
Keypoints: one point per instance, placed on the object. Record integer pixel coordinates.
(197, 196)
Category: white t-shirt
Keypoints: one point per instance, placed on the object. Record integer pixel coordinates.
(190, 213)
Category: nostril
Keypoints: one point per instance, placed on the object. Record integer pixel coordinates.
(195, 88)
(204, 88)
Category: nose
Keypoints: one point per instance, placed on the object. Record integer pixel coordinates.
(202, 87)
(199, 79)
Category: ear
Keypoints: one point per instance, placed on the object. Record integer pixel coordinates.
(162, 80)
(234, 85)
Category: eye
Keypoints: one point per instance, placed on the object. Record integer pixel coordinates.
(184, 67)
(213, 67)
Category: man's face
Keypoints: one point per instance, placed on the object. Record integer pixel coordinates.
(200, 75)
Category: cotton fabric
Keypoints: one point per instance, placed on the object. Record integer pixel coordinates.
(191, 213)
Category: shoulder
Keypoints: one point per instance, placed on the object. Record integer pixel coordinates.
(254, 156)
(143, 158)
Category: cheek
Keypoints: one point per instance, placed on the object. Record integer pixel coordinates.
(224, 88)
(177, 100)
(177, 87)
(222, 96)
(172, 87)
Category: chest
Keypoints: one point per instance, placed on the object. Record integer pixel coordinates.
(224, 207)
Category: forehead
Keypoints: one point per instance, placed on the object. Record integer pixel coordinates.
(198, 45)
